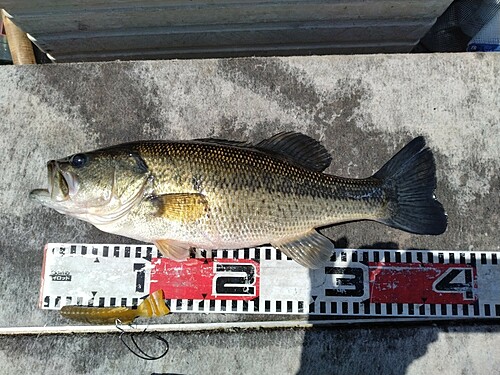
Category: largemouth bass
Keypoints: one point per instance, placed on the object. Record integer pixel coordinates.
(218, 194)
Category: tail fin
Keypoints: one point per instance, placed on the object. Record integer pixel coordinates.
(409, 182)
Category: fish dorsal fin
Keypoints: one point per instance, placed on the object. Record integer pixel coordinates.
(293, 146)
(183, 207)
(311, 249)
(224, 142)
(173, 249)
(298, 148)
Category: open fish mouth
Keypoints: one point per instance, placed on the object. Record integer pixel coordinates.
(58, 186)
(62, 185)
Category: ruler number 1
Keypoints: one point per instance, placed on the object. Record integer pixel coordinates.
(140, 276)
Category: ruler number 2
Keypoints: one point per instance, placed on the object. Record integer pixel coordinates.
(234, 279)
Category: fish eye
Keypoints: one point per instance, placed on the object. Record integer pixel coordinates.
(78, 160)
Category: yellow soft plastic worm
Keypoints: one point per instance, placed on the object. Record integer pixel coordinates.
(153, 306)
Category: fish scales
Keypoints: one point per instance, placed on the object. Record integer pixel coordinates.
(251, 194)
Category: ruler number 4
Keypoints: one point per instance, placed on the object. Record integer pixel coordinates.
(456, 280)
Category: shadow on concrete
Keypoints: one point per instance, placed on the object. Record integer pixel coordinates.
(364, 348)
(387, 349)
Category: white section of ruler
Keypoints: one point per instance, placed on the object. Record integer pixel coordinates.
(85, 274)
(488, 283)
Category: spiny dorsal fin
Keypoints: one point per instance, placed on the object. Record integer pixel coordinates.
(184, 207)
(298, 148)
(224, 142)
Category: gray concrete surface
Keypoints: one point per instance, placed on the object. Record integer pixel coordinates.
(363, 108)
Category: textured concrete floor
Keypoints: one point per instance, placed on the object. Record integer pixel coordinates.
(363, 108)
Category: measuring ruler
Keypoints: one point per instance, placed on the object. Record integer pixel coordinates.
(356, 282)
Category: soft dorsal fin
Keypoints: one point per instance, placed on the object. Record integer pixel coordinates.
(298, 148)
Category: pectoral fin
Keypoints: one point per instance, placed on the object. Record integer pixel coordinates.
(311, 249)
(183, 207)
(173, 250)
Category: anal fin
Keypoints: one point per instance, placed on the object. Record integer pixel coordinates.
(174, 250)
(311, 249)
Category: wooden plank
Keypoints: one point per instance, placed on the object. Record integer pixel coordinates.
(20, 46)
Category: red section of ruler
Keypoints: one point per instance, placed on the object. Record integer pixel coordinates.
(223, 279)
(422, 283)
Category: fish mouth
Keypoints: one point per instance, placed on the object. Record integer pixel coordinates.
(61, 187)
